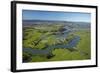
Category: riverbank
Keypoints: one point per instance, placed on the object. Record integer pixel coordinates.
(82, 51)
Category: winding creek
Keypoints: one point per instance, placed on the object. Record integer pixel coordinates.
(48, 51)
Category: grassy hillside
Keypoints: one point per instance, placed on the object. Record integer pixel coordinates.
(40, 37)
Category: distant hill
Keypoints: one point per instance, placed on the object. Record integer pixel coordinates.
(49, 22)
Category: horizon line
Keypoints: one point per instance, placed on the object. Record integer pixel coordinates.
(55, 20)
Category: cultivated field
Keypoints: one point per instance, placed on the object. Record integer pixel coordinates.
(55, 42)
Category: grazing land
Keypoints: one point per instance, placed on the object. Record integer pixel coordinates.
(56, 41)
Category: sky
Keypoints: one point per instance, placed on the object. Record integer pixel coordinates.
(56, 16)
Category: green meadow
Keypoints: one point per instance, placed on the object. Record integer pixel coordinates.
(45, 38)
